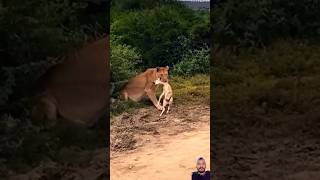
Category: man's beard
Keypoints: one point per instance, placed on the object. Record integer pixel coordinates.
(201, 170)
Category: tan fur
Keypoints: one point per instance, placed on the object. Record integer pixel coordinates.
(143, 84)
(167, 93)
(77, 89)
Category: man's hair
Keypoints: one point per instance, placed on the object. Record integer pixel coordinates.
(200, 158)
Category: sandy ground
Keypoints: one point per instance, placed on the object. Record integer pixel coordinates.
(165, 158)
(168, 154)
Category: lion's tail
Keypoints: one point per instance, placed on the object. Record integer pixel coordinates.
(117, 87)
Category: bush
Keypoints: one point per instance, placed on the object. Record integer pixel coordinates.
(258, 23)
(194, 62)
(156, 32)
(123, 61)
(200, 31)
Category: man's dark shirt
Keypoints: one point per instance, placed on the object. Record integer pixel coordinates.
(197, 176)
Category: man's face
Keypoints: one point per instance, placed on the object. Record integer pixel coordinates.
(201, 166)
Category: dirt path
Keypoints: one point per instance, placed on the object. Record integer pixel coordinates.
(165, 158)
(164, 148)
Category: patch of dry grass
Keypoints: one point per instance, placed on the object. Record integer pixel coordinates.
(190, 89)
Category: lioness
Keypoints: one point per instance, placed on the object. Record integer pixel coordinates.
(77, 89)
(167, 93)
(144, 83)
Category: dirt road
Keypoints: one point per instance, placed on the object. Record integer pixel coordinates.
(166, 148)
(166, 158)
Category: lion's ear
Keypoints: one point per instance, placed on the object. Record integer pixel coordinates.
(167, 67)
(157, 69)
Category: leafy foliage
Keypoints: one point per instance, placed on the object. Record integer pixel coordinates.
(258, 23)
(195, 62)
(123, 61)
(163, 33)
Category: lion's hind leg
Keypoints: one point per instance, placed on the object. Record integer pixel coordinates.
(124, 95)
(45, 111)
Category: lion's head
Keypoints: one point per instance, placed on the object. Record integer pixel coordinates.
(163, 73)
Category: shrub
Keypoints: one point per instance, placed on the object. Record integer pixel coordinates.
(194, 62)
(123, 61)
(259, 23)
(156, 32)
(200, 31)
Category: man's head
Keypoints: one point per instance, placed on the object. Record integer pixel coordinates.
(163, 73)
(201, 165)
